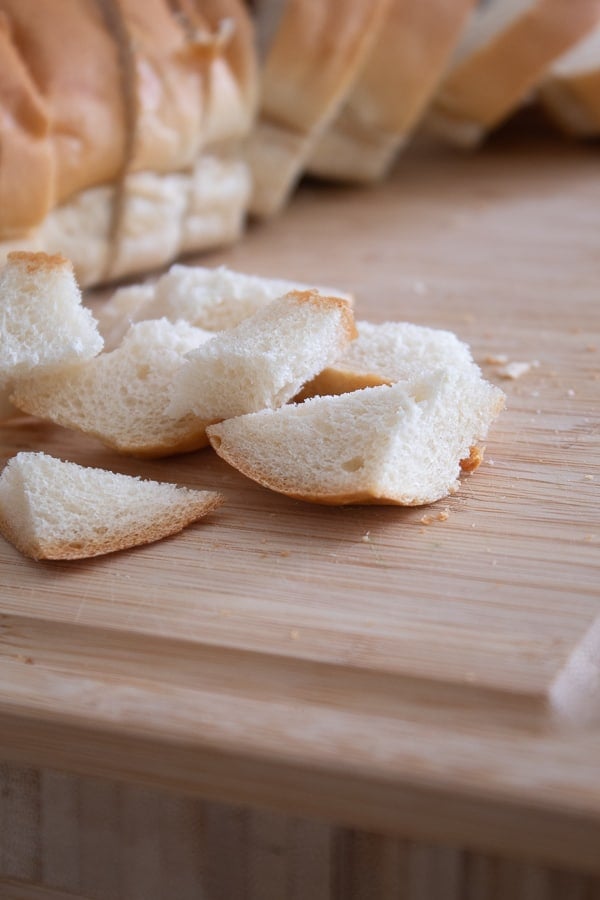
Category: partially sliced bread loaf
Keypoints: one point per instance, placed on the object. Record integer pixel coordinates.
(389, 352)
(503, 57)
(399, 444)
(571, 91)
(50, 509)
(122, 397)
(265, 360)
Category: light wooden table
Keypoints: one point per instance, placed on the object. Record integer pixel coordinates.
(290, 701)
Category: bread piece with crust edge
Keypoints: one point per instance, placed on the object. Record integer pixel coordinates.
(400, 444)
(51, 509)
(264, 361)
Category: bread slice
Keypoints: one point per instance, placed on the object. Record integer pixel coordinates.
(315, 55)
(121, 398)
(503, 57)
(51, 509)
(386, 353)
(44, 324)
(571, 91)
(265, 360)
(392, 91)
(392, 444)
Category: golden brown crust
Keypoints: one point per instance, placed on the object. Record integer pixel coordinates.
(74, 61)
(198, 507)
(35, 262)
(401, 73)
(573, 102)
(268, 480)
(26, 160)
(481, 90)
(306, 76)
(474, 459)
(333, 381)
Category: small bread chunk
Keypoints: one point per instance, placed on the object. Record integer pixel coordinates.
(265, 360)
(392, 444)
(50, 509)
(44, 324)
(213, 299)
(122, 397)
(386, 353)
(216, 299)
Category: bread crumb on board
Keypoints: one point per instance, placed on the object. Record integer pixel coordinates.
(430, 518)
(514, 370)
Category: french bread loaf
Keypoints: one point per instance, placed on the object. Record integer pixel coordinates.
(129, 117)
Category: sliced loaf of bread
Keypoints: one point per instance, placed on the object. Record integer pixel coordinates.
(51, 509)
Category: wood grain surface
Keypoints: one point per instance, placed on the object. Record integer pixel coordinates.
(380, 667)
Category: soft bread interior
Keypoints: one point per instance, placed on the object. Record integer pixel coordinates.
(52, 509)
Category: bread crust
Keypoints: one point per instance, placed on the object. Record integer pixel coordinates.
(401, 74)
(73, 59)
(305, 79)
(26, 159)
(487, 85)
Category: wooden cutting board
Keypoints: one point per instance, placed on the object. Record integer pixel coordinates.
(386, 668)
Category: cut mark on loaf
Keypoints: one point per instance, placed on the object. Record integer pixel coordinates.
(51, 509)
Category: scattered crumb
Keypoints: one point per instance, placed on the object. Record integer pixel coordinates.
(294, 634)
(474, 460)
(589, 477)
(366, 538)
(590, 538)
(419, 287)
(496, 359)
(25, 659)
(285, 553)
(570, 392)
(514, 370)
(430, 518)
